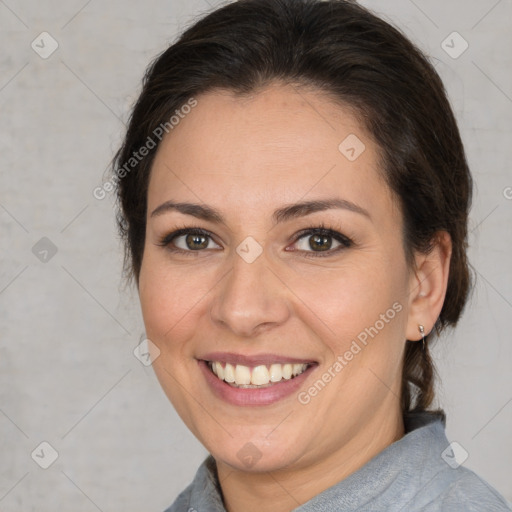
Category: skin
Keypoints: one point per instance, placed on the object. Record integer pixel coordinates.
(246, 157)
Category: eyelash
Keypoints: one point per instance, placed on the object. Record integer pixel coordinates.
(321, 229)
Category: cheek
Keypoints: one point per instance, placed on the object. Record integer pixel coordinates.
(350, 298)
(172, 299)
(171, 304)
(365, 316)
(359, 317)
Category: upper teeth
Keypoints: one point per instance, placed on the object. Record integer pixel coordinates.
(245, 376)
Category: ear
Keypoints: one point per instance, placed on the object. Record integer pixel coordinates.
(427, 286)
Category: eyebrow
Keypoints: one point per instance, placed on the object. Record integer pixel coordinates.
(283, 214)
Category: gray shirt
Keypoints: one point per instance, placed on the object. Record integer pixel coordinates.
(416, 473)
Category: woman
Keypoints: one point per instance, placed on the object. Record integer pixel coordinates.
(294, 197)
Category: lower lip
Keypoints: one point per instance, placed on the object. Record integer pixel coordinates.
(253, 396)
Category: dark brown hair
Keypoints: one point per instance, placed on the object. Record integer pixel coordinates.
(341, 49)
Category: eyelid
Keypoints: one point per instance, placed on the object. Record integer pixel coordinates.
(322, 230)
(170, 237)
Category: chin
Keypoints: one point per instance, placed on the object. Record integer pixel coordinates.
(255, 452)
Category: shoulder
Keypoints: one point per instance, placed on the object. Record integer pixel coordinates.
(444, 487)
(203, 494)
(419, 476)
(182, 502)
(460, 490)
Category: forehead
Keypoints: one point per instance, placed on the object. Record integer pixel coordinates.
(275, 146)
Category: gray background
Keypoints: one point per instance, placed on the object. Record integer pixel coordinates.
(68, 327)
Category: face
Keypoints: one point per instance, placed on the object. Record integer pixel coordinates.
(274, 247)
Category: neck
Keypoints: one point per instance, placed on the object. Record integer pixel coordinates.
(285, 489)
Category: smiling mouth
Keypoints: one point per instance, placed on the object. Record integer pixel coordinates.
(262, 376)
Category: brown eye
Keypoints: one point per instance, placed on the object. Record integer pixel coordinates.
(320, 242)
(196, 242)
(188, 240)
(317, 242)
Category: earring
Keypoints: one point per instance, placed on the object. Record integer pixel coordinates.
(422, 332)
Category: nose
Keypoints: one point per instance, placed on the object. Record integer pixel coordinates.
(251, 299)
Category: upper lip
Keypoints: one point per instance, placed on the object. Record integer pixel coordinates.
(254, 360)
